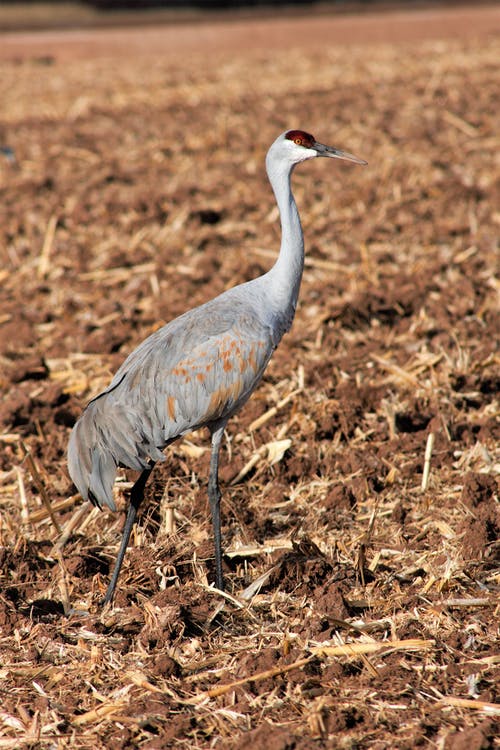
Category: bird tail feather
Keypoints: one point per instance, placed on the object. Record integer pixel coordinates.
(101, 441)
(92, 468)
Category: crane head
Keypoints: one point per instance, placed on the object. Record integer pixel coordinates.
(301, 146)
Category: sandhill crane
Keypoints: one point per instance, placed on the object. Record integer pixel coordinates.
(197, 370)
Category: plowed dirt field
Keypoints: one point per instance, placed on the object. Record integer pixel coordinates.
(360, 483)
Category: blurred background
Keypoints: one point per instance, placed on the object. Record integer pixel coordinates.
(33, 14)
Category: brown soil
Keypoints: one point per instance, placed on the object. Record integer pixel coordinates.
(138, 190)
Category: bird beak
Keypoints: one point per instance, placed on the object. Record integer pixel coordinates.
(335, 153)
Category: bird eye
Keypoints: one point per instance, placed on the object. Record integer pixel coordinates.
(299, 141)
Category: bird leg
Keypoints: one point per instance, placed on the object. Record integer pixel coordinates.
(136, 497)
(214, 500)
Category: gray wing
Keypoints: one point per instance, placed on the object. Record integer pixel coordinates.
(197, 370)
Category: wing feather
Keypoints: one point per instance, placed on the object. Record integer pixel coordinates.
(197, 370)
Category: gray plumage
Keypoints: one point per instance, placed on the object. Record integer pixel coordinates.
(197, 370)
(192, 372)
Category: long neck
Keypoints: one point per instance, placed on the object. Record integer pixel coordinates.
(286, 273)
